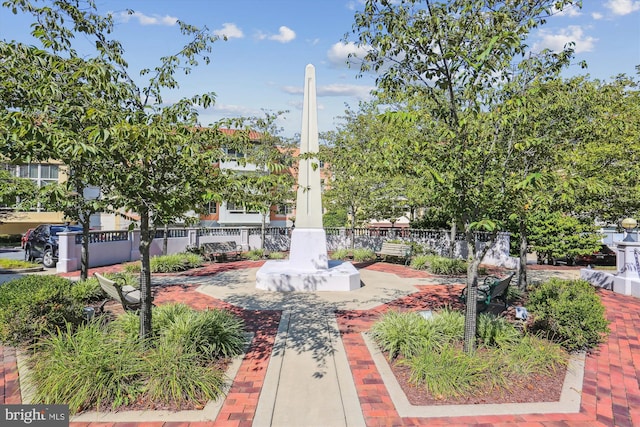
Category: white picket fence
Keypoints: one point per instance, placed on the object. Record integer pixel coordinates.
(115, 247)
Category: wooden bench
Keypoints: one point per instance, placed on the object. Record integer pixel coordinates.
(492, 294)
(126, 295)
(397, 250)
(216, 251)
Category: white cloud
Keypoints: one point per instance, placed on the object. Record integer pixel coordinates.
(285, 35)
(557, 41)
(146, 19)
(597, 16)
(339, 53)
(622, 7)
(230, 31)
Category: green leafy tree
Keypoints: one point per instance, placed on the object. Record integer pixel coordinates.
(151, 158)
(451, 55)
(15, 194)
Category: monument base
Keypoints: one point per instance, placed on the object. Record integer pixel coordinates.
(282, 276)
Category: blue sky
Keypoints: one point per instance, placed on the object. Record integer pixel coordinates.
(269, 43)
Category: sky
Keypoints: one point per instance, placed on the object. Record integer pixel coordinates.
(260, 67)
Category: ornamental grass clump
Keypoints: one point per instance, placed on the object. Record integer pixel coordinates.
(403, 334)
(341, 253)
(363, 254)
(176, 262)
(105, 366)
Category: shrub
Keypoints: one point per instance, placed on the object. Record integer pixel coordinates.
(341, 253)
(133, 267)
(33, 305)
(176, 262)
(447, 266)
(86, 369)
(210, 333)
(420, 262)
(533, 354)
(173, 376)
(255, 254)
(403, 334)
(86, 291)
(449, 372)
(276, 255)
(450, 324)
(362, 254)
(570, 312)
(496, 331)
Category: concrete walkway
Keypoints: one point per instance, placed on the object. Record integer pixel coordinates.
(309, 365)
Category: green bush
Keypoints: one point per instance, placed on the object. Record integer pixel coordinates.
(167, 263)
(341, 253)
(106, 365)
(403, 334)
(420, 262)
(362, 254)
(533, 355)
(211, 333)
(87, 291)
(255, 254)
(176, 262)
(33, 305)
(86, 369)
(173, 376)
(447, 266)
(569, 312)
(496, 331)
(276, 255)
(449, 372)
(450, 324)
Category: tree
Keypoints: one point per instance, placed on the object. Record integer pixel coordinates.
(451, 55)
(15, 193)
(151, 158)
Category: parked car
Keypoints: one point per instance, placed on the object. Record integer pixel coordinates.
(603, 256)
(25, 237)
(43, 243)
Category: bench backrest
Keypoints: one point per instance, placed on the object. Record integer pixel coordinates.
(499, 287)
(399, 249)
(114, 290)
(109, 286)
(219, 247)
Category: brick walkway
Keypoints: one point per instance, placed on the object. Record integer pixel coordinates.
(611, 393)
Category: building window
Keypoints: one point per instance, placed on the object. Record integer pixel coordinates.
(212, 208)
(284, 210)
(234, 208)
(40, 174)
(233, 153)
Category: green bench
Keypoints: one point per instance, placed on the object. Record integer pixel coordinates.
(492, 294)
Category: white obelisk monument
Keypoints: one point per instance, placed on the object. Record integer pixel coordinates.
(308, 267)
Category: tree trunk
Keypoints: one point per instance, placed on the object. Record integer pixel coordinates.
(522, 265)
(471, 310)
(145, 276)
(84, 254)
(263, 230)
(165, 239)
(353, 228)
(452, 239)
